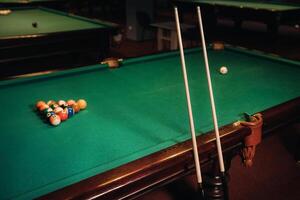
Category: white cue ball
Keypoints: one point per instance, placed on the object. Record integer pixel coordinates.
(223, 70)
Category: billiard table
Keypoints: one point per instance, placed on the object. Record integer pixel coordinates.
(38, 39)
(271, 13)
(134, 134)
(46, 3)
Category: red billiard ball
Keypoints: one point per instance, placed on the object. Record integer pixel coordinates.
(39, 104)
(54, 120)
(58, 109)
(63, 115)
(43, 107)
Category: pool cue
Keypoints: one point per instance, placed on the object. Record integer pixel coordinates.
(190, 111)
(212, 101)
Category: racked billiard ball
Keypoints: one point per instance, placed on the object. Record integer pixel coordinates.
(61, 102)
(54, 120)
(76, 107)
(58, 109)
(53, 106)
(70, 111)
(82, 104)
(47, 110)
(43, 107)
(49, 103)
(49, 114)
(71, 102)
(39, 104)
(63, 115)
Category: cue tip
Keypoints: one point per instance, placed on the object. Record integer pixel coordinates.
(201, 191)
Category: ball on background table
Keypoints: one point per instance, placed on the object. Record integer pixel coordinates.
(54, 120)
(82, 104)
(218, 45)
(223, 70)
(34, 24)
(5, 11)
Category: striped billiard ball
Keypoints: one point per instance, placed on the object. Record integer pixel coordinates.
(70, 111)
(54, 120)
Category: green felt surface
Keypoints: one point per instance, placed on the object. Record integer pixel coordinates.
(273, 6)
(132, 112)
(19, 22)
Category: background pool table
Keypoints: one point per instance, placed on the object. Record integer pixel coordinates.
(271, 13)
(134, 135)
(58, 40)
(47, 3)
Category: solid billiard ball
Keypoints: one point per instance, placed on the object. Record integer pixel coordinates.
(82, 104)
(63, 115)
(54, 120)
(34, 24)
(71, 102)
(223, 70)
(43, 107)
(39, 104)
(76, 107)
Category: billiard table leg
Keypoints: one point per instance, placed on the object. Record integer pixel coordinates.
(273, 25)
(215, 182)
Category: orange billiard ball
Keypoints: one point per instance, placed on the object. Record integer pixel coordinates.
(76, 107)
(39, 104)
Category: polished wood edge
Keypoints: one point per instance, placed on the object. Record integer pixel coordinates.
(281, 115)
(170, 162)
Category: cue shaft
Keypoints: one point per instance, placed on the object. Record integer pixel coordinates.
(187, 92)
(212, 101)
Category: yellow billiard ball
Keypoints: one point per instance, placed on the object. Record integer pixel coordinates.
(82, 104)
